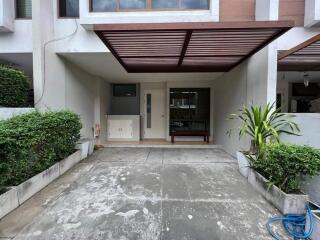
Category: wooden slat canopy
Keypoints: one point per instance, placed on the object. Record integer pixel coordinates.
(187, 47)
(304, 57)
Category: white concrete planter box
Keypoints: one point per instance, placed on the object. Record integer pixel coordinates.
(69, 162)
(286, 203)
(8, 202)
(86, 146)
(18, 195)
(33, 185)
(244, 165)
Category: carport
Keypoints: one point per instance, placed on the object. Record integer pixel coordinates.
(188, 46)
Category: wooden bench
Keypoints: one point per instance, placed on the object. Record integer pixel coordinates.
(204, 134)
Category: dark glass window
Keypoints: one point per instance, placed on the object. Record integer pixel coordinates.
(124, 90)
(165, 4)
(147, 5)
(194, 4)
(132, 4)
(69, 8)
(279, 100)
(104, 5)
(23, 9)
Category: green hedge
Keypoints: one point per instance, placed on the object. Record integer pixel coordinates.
(284, 165)
(32, 142)
(14, 86)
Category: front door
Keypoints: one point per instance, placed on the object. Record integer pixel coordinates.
(154, 120)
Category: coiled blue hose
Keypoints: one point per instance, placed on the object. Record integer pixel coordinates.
(294, 225)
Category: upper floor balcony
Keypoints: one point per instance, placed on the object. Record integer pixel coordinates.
(150, 11)
(304, 12)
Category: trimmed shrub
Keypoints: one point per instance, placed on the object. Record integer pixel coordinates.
(284, 165)
(14, 87)
(33, 142)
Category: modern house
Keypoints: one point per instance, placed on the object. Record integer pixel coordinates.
(167, 70)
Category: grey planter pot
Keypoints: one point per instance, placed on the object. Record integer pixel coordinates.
(285, 203)
(244, 165)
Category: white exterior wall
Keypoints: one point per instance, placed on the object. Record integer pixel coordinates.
(57, 83)
(6, 113)
(312, 13)
(81, 41)
(81, 96)
(19, 41)
(309, 124)
(296, 36)
(252, 82)
(6, 15)
(230, 93)
(102, 108)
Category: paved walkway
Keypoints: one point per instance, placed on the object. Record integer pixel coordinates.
(147, 194)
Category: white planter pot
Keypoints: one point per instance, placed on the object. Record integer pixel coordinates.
(286, 203)
(244, 165)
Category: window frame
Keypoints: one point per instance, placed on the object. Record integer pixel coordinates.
(16, 12)
(58, 12)
(148, 8)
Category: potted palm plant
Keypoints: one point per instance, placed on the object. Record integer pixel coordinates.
(259, 124)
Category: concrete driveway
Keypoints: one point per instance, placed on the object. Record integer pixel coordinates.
(146, 193)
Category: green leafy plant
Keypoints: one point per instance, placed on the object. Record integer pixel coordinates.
(33, 142)
(14, 86)
(285, 165)
(262, 123)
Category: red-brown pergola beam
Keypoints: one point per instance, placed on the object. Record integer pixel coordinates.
(112, 50)
(117, 38)
(268, 41)
(193, 26)
(299, 47)
(185, 46)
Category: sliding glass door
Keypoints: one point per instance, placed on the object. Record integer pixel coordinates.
(189, 109)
